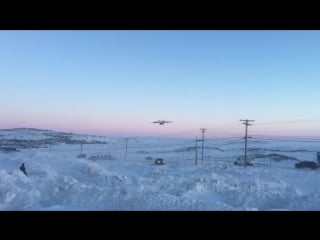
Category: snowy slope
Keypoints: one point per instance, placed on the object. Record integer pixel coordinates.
(114, 180)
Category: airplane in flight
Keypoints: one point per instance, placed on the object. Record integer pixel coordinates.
(162, 122)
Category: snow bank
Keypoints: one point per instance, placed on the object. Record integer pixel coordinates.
(58, 180)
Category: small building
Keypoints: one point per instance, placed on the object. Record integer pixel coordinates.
(82, 156)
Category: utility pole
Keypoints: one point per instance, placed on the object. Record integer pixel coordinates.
(246, 122)
(125, 156)
(202, 130)
(196, 160)
(81, 148)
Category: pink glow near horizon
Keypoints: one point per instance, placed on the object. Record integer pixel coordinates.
(124, 127)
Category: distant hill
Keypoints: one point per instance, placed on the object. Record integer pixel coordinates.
(21, 138)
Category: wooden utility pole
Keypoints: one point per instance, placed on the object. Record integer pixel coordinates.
(202, 130)
(125, 156)
(196, 160)
(246, 122)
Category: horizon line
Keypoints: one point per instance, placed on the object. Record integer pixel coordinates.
(221, 135)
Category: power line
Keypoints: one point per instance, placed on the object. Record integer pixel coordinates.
(246, 122)
(287, 140)
(202, 130)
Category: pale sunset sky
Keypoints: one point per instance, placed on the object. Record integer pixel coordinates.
(118, 82)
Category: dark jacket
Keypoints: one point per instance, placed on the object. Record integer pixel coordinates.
(23, 169)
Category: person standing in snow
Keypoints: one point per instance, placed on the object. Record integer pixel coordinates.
(23, 169)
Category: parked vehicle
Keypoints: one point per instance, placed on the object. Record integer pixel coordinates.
(159, 161)
(307, 164)
(240, 161)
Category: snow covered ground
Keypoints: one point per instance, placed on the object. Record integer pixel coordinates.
(108, 178)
